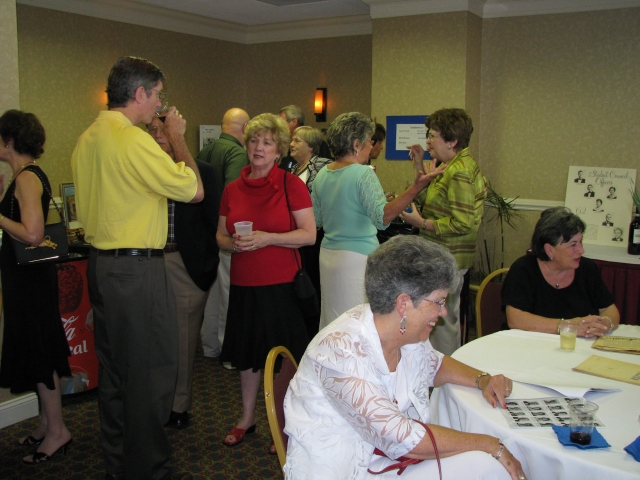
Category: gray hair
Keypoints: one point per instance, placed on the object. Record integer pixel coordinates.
(311, 135)
(126, 75)
(293, 112)
(345, 130)
(556, 225)
(407, 264)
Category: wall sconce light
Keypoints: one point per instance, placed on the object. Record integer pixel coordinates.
(320, 105)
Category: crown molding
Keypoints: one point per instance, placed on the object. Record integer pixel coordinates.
(491, 8)
(147, 16)
(174, 21)
(518, 8)
(309, 29)
(405, 8)
(171, 20)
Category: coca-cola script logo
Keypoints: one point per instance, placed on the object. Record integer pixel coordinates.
(70, 332)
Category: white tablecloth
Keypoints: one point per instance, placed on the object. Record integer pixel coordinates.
(516, 353)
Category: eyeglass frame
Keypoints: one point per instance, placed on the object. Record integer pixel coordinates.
(161, 95)
(431, 138)
(441, 303)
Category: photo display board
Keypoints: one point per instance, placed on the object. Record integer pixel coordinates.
(601, 197)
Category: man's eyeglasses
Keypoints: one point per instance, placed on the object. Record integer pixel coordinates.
(161, 95)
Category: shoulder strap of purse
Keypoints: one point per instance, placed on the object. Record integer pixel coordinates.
(44, 185)
(286, 196)
(404, 462)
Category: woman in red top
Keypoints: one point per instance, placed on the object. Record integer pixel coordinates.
(263, 309)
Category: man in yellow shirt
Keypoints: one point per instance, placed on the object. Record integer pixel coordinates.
(122, 180)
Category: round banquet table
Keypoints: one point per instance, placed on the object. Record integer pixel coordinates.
(519, 354)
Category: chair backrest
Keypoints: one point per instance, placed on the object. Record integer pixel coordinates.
(489, 314)
(275, 388)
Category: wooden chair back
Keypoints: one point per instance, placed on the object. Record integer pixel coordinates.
(275, 388)
(489, 314)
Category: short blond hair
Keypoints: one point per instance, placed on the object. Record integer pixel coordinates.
(312, 136)
(268, 122)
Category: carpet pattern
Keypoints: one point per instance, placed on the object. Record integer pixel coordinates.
(197, 449)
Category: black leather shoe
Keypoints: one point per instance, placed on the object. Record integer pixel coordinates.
(178, 420)
(178, 476)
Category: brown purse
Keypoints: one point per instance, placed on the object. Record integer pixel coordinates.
(404, 462)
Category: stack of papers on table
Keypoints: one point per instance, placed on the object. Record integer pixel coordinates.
(613, 369)
(562, 380)
(618, 344)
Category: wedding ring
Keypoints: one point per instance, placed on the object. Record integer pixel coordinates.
(521, 477)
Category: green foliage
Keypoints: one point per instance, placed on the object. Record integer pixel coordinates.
(499, 212)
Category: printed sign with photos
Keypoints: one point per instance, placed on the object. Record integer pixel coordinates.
(601, 197)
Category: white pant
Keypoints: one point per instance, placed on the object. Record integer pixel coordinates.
(215, 311)
(445, 338)
(341, 282)
(472, 465)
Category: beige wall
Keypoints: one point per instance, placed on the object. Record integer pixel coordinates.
(285, 73)
(557, 90)
(65, 60)
(9, 84)
(420, 64)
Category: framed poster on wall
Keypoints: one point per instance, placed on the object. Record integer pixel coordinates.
(404, 131)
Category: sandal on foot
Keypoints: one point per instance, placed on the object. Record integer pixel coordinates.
(238, 434)
(39, 457)
(28, 441)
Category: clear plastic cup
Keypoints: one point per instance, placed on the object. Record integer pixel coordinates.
(583, 415)
(243, 228)
(568, 332)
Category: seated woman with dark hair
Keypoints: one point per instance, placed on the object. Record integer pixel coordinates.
(555, 282)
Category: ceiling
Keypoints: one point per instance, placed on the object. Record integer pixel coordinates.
(261, 21)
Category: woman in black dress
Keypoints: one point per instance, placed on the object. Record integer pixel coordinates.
(35, 350)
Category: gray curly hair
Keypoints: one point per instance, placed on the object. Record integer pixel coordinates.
(407, 264)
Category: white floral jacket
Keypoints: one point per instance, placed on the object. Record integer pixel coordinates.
(338, 409)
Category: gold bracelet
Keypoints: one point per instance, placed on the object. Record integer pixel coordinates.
(483, 374)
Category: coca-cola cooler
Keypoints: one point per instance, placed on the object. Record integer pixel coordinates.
(77, 319)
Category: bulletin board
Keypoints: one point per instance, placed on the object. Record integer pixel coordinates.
(403, 131)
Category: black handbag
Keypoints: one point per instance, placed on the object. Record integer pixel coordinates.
(53, 247)
(305, 291)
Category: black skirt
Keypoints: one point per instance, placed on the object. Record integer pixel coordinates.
(258, 319)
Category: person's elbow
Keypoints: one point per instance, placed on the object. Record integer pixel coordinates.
(310, 236)
(199, 196)
(35, 239)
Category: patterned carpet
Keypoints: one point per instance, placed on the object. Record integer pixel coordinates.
(197, 449)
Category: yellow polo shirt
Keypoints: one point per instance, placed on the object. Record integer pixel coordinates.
(122, 182)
